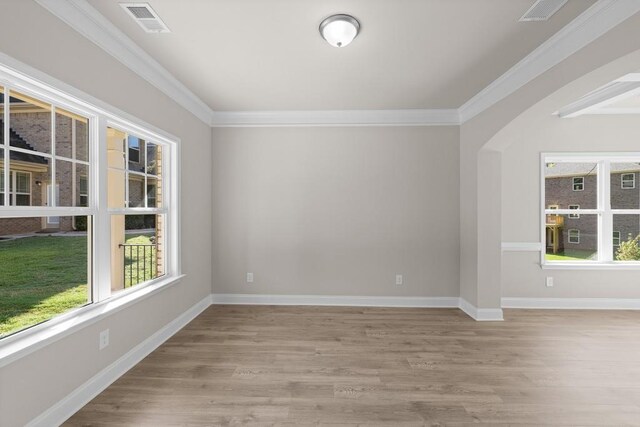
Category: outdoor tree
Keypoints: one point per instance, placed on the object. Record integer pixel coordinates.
(629, 250)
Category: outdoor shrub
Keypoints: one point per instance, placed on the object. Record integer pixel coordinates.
(629, 250)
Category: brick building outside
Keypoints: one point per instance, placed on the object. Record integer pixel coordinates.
(574, 186)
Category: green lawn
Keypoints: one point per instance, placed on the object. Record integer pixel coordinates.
(570, 255)
(43, 276)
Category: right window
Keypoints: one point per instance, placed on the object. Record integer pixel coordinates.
(595, 217)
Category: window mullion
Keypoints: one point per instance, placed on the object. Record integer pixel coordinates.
(605, 222)
(7, 144)
(102, 222)
(52, 188)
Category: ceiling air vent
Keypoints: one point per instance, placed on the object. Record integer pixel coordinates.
(542, 10)
(146, 17)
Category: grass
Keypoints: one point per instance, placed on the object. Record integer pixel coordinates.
(44, 276)
(571, 255)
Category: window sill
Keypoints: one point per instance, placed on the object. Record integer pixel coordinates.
(23, 343)
(591, 266)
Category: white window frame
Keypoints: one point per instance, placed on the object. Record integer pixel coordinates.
(633, 181)
(605, 258)
(17, 193)
(614, 239)
(576, 215)
(577, 236)
(17, 76)
(13, 189)
(574, 183)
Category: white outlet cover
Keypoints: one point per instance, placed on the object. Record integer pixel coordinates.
(549, 282)
(399, 279)
(249, 277)
(104, 339)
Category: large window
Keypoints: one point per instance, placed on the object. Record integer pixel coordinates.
(86, 211)
(595, 218)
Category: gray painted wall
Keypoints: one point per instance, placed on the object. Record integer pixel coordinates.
(336, 211)
(37, 381)
(522, 275)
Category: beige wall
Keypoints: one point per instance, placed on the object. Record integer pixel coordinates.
(35, 382)
(336, 211)
(480, 220)
(538, 132)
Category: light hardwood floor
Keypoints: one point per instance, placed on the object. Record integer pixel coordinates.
(298, 366)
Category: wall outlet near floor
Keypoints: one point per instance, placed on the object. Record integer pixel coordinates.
(249, 277)
(104, 339)
(399, 279)
(549, 282)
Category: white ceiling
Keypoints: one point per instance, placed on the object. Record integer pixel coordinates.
(268, 55)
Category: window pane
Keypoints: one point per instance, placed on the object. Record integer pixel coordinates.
(68, 178)
(154, 157)
(571, 239)
(41, 275)
(1, 176)
(136, 153)
(1, 117)
(136, 191)
(116, 175)
(30, 122)
(29, 175)
(82, 139)
(625, 194)
(64, 134)
(153, 193)
(629, 228)
(571, 184)
(138, 248)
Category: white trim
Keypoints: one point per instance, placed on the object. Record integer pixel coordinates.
(573, 303)
(65, 408)
(415, 117)
(335, 300)
(14, 347)
(86, 20)
(599, 98)
(481, 314)
(521, 246)
(587, 27)
(591, 265)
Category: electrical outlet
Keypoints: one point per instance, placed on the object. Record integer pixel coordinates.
(104, 339)
(549, 282)
(249, 277)
(399, 279)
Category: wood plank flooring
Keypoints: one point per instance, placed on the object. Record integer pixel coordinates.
(349, 366)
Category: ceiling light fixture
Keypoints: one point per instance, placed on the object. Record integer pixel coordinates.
(339, 30)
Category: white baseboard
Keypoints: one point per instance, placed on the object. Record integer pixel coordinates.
(480, 314)
(335, 300)
(61, 411)
(573, 303)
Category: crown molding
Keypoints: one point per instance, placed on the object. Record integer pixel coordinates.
(584, 29)
(86, 20)
(593, 102)
(587, 27)
(336, 118)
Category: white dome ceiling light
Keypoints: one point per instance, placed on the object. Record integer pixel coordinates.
(339, 30)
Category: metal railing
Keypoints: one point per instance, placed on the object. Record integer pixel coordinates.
(140, 263)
